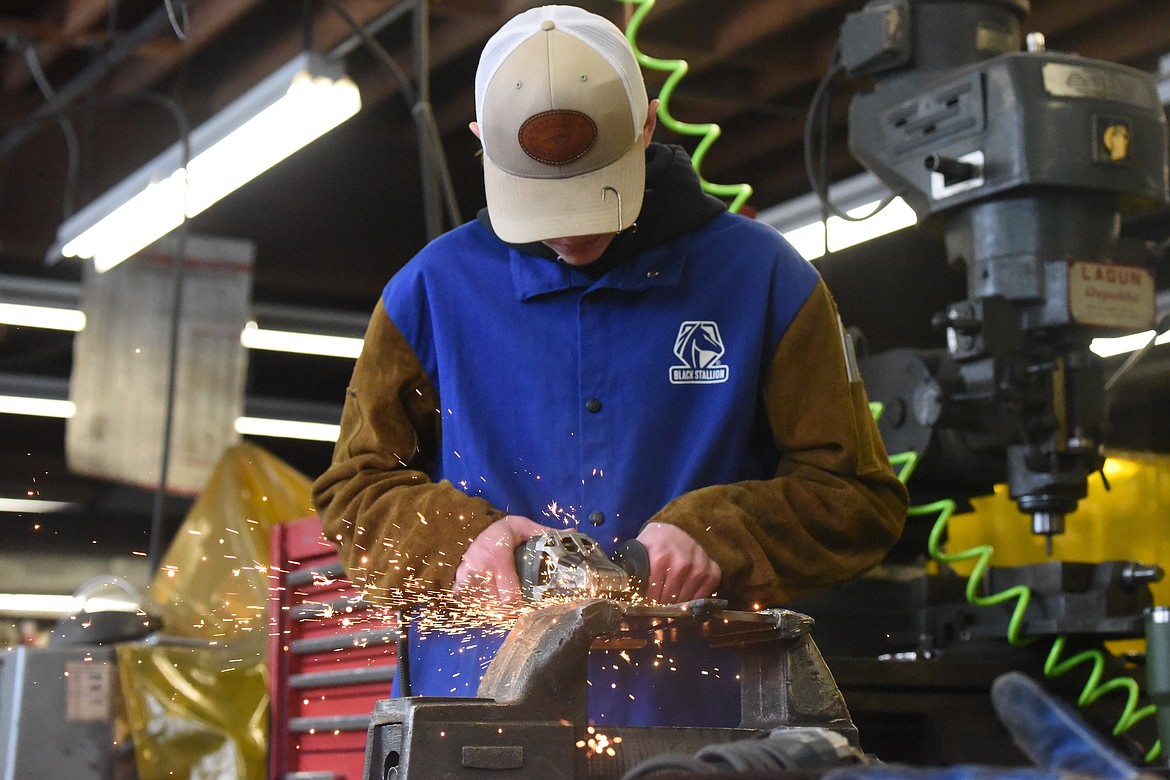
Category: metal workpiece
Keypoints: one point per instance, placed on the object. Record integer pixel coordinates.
(543, 666)
(529, 719)
(1106, 600)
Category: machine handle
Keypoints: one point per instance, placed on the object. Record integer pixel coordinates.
(632, 557)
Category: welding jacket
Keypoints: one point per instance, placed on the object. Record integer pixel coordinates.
(700, 380)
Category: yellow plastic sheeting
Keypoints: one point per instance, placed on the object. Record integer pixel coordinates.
(195, 714)
(199, 710)
(1131, 521)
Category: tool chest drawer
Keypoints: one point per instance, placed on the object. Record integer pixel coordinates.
(331, 657)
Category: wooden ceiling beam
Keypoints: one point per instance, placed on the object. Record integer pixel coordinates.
(1146, 34)
(1057, 17)
(208, 20)
(451, 39)
(329, 30)
(746, 25)
(751, 23)
(79, 17)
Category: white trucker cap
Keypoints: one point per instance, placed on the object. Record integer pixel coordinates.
(561, 104)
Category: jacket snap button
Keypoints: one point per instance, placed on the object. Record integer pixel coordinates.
(596, 517)
(593, 405)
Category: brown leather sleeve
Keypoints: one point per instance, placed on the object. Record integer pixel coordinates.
(394, 528)
(835, 506)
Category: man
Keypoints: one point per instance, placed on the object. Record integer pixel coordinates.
(604, 347)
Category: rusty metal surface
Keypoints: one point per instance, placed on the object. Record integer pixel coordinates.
(543, 663)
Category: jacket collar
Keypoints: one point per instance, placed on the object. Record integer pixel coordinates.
(658, 267)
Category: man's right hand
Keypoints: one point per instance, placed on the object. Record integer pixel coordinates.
(488, 567)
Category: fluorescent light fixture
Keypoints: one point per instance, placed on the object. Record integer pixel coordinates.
(1108, 347)
(49, 605)
(37, 407)
(252, 337)
(34, 506)
(40, 303)
(298, 103)
(287, 429)
(809, 240)
(42, 317)
(38, 605)
(255, 337)
(254, 426)
(800, 219)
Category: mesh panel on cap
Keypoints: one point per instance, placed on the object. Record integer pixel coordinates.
(617, 52)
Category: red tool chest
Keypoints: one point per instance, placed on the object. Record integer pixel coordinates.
(331, 656)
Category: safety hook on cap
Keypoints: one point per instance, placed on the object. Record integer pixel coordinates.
(619, 200)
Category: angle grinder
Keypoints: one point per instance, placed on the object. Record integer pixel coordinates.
(569, 564)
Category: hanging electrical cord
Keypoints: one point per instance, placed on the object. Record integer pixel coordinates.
(819, 111)
(1054, 664)
(155, 549)
(180, 17)
(377, 49)
(739, 193)
(420, 110)
(72, 144)
(799, 749)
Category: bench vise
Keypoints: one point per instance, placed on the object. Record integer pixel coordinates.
(529, 717)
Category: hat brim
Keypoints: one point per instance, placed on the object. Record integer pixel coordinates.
(524, 210)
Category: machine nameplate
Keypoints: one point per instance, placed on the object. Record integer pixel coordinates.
(1083, 81)
(1111, 296)
(88, 689)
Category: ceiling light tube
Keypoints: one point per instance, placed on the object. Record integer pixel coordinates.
(35, 506)
(37, 407)
(53, 605)
(1119, 345)
(809, 240)
(36, 396)
(38, 605)
(800, 219)
(287, 429)
(298, 103)
(49, 317)
(40, 303)
(255, 337)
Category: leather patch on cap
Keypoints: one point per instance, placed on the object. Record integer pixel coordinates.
(557, 137)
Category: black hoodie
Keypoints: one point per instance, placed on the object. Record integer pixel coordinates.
(674, 205)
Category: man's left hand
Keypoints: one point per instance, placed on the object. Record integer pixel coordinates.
(680, 569)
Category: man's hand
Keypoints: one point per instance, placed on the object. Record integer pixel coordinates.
(488, 567)
(680, 570)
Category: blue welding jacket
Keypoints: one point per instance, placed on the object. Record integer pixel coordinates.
(594, 402)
